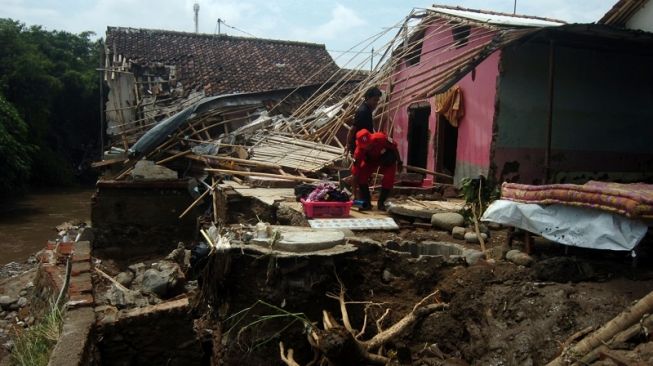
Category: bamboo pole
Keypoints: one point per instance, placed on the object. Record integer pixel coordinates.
(268, 175)
(425, 171)
(197, 200)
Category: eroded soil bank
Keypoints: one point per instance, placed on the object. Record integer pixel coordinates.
(499, 313)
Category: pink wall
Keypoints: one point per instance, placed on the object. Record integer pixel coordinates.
(479, 90)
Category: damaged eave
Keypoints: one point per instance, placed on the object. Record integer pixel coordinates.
(621, 12)
(598, 36)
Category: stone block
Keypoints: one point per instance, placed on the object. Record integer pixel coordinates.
(447, 220)
(458, 232)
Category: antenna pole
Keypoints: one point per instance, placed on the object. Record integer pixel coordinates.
(196, 10)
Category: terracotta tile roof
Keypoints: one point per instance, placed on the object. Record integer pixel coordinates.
(224, 64)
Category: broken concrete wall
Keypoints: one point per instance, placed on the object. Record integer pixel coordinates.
(132, 218)
(601, 113)
(120, 111)
(155, 335)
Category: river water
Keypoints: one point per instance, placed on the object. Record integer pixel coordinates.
(27, 223)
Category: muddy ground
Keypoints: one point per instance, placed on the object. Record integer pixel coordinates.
(499, 313)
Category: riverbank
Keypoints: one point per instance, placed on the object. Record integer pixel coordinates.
(27, 223)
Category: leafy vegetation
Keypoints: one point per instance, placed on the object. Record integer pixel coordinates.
(49, 105)
(478, 193)
(34, 345)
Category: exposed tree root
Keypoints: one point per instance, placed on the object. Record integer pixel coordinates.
(340, 345)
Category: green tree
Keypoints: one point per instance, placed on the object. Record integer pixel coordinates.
(50, 78)
(15, 149)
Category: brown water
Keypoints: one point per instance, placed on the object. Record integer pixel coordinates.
(26, 224)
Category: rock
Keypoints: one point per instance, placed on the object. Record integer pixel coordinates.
(22, 301)
(388, 276)
(165, 281)
(181, 256)
(137, 268)
(472, 256)
(447, 220)
(125, 299)
(6, 301)
(23, 293)
(518, 257)
(472, 238)
(29, 320)
(482, 228)
(148, 170)
(155, 282)
(125, 278)
(496, 253)
(458, 232)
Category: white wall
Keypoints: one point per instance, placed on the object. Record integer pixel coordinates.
(643, 18)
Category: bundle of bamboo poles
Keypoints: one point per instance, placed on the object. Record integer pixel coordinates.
(305, 143)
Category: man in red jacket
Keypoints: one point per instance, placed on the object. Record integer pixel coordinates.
(375, 151)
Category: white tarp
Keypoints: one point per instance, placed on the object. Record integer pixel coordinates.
(569, 225)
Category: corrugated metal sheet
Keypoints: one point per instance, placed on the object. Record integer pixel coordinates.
(496, 18)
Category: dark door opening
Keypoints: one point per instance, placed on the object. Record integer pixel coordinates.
(447, 146)
(418, 136)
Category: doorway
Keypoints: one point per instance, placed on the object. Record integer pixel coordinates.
(447, 146)
(418, 134)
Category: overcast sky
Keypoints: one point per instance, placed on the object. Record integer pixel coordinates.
(338, 24)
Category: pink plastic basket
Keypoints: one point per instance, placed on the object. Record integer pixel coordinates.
(314, 209)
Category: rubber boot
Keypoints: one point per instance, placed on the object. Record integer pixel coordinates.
(365, 196)
(385, 193)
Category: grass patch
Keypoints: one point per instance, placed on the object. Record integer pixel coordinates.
(33, 346)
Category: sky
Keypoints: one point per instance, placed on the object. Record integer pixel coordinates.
(340, 25)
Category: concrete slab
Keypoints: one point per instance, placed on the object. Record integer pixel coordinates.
(301, 241)
(336, 250)
(424, 209)
(268, 195)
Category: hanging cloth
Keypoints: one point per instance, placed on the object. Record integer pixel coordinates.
(450, 105)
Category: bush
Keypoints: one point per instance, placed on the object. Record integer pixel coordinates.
(15, 150)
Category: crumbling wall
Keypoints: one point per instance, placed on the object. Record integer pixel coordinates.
(155, 335)
(138, 218)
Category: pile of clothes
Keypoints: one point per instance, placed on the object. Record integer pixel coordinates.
(323, 192)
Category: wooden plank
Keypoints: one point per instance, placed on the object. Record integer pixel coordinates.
(103, 163)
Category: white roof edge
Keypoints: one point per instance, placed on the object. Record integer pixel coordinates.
(498, 19)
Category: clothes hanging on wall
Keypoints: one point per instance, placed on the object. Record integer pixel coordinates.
(450, 105)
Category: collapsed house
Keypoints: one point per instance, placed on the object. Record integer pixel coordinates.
(523, 99)
(467, 93)
(154, 74)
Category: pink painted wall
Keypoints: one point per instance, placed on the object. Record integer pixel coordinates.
(479, 91)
